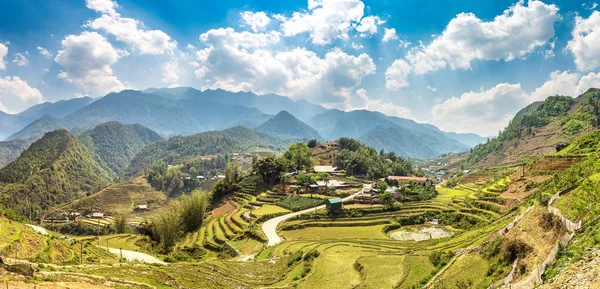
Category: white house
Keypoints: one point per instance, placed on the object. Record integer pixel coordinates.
(97, 215)
(324, 169)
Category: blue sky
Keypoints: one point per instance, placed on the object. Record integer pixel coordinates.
(465, 66)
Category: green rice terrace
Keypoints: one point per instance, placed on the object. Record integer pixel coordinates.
(471, 231)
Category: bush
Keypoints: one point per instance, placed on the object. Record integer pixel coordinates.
(193, 210)
(298, 203)
(120, 223)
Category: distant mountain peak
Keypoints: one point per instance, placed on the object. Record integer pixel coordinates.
(287, 125)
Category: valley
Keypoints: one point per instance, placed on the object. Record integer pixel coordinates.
(120, 206)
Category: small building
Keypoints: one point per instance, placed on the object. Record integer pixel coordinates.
(333, 204)
(141, 207)
(200, 177)
(331, 145)
(97, 215)
(324, 169)
(220, 176)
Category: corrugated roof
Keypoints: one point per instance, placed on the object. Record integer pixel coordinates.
(406, 179)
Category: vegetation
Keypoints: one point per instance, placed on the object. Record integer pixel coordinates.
(359, 160)
(298, 203)
(181, 148)
(116, 144)
(51, 171)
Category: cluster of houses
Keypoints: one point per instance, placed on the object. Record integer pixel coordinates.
(369, 192)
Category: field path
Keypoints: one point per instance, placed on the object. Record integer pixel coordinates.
(38, 229)
(270, 226)
(135, 256)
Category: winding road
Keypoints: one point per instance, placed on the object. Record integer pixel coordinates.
(135, 256)
(270, 226)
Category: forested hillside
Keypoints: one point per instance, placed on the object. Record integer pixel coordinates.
(179, 148)
(286, 125)
(536, 129)
(53, 170)
(116, 144)
(10, 150)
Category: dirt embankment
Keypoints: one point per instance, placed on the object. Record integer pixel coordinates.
(582, 274)
(555, 163)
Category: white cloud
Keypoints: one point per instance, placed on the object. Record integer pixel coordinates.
(257, 21)
(103, 6)
(368, 25)
(396, 75)
(404, 43)
(246, 61)
(356, 46)
(386, 108)
(5, 110)
(432, 88)
(46, 69)
(128, 30)
(87, 58)
(17, 95)
(44, 51)
(585, 42)
(171, 71)
(515, 33)
(486, 112)
(389, 34)
(565, 83)
(325, 20)
(3, 53)
(483, 112)
(21, 59)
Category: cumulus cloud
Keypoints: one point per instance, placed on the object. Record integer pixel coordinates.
(566, 83)
(386, 108)
(396, 75)
(256, 21)
(389, 34)
(368, 25)
(87, 59)
(3, 53)
(246, 61)
(17, 93)
(326, 20)
(585, 42)
(171, 71)
(481, 112)
(21, 59)
(128, 30)
(513, 34)
(488, 111)
(44, 51)
(432, 88)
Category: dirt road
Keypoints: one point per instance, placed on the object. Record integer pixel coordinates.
(135, 256)
(270, 226)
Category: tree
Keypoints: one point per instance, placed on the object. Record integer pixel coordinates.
(120, 223)
(166, 228)
(193, 210)
(381, 187)
(299, 154)
(313, 143)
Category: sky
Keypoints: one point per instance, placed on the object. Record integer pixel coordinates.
(462, 65)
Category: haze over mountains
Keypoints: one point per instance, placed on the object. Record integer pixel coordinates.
(187, 111)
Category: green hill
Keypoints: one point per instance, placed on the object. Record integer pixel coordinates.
(537, 128)
(53, 170)
(116, 144)
(286, 125)
(178, 148)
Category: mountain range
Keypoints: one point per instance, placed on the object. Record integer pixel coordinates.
(187, 111)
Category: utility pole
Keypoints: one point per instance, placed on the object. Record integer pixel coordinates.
(121, 249)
